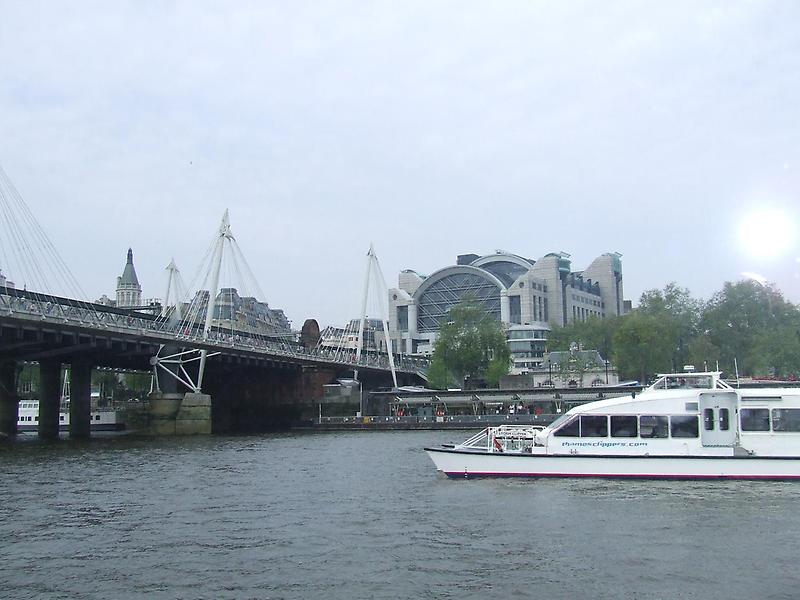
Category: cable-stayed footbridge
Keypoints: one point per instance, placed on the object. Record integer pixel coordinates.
(197, 343)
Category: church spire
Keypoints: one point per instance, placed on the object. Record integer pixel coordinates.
(129, 292)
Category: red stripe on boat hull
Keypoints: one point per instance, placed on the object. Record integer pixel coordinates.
(462, 475)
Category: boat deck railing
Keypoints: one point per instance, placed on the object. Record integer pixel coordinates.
(448, 420)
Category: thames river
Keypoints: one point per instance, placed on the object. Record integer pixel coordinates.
(364, 515)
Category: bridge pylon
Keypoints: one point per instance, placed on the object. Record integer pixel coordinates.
(374, 277)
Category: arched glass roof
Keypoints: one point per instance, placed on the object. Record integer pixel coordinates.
(505, 271)
(435, 299)
(503, 265)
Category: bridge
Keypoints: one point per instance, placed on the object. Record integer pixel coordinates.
(256, 379)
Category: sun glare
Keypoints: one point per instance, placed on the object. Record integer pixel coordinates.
(767, 233)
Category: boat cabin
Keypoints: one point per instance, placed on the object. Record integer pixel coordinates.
(687, 414)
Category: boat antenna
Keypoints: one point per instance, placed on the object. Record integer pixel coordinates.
(736, 366)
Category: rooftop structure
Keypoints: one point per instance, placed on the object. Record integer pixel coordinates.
(5, 283)
(237, 314)
(129, 292)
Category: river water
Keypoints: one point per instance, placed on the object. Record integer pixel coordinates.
(364, 515)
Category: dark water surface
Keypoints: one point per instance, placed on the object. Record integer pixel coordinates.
(364, 515)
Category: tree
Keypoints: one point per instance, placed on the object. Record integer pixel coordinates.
(472, 344)
(496, 370)
(643, 346)
(592, 334)
(776, 353)
(702, 353)
(438, 376)
(742, 317)
(675, 306)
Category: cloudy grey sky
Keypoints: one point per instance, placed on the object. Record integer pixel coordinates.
(431, 128)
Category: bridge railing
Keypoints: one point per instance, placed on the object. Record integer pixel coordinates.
(83, 314)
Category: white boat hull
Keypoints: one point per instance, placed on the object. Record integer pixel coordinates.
(102, 420)
(465, 464)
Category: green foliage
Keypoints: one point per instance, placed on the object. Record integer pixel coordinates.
(741, 319)
(681, 312)
(745, 321)
(776, 353)
(703, 354)
(644, 346)
(496, 369)
(592, 334)
(438, 376)
(471, 344)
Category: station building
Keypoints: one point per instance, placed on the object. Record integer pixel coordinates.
(527, 296)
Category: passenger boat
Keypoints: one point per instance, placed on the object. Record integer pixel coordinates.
(684, 426)
(101, 420)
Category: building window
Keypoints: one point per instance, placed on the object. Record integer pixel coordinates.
(515, 316)
(402, 318)
(444, 294)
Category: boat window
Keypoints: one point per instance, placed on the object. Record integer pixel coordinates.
(624, 426)
(691, 407)
(561, 420)
(653, 426)
(754, 419)
(724, 419)
(594, 426)
(708, 419)
(571, 429)
(786, 419)
(659, 383)
(700, 381)
(684, 426)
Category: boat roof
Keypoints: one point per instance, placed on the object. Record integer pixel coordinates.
(670, 386)
(708, 380)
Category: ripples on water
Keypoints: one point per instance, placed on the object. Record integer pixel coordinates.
(363, 515)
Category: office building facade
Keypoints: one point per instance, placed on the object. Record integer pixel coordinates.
(527, 296)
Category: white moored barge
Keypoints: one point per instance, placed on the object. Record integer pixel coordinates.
(100, 420)
(684, 426)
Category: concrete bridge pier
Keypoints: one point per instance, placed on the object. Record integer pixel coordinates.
(194, 415)
(179, 414)
(9, 401)
(80, 398)
(49, 398)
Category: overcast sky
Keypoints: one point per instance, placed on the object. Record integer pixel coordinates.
(429, 128)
